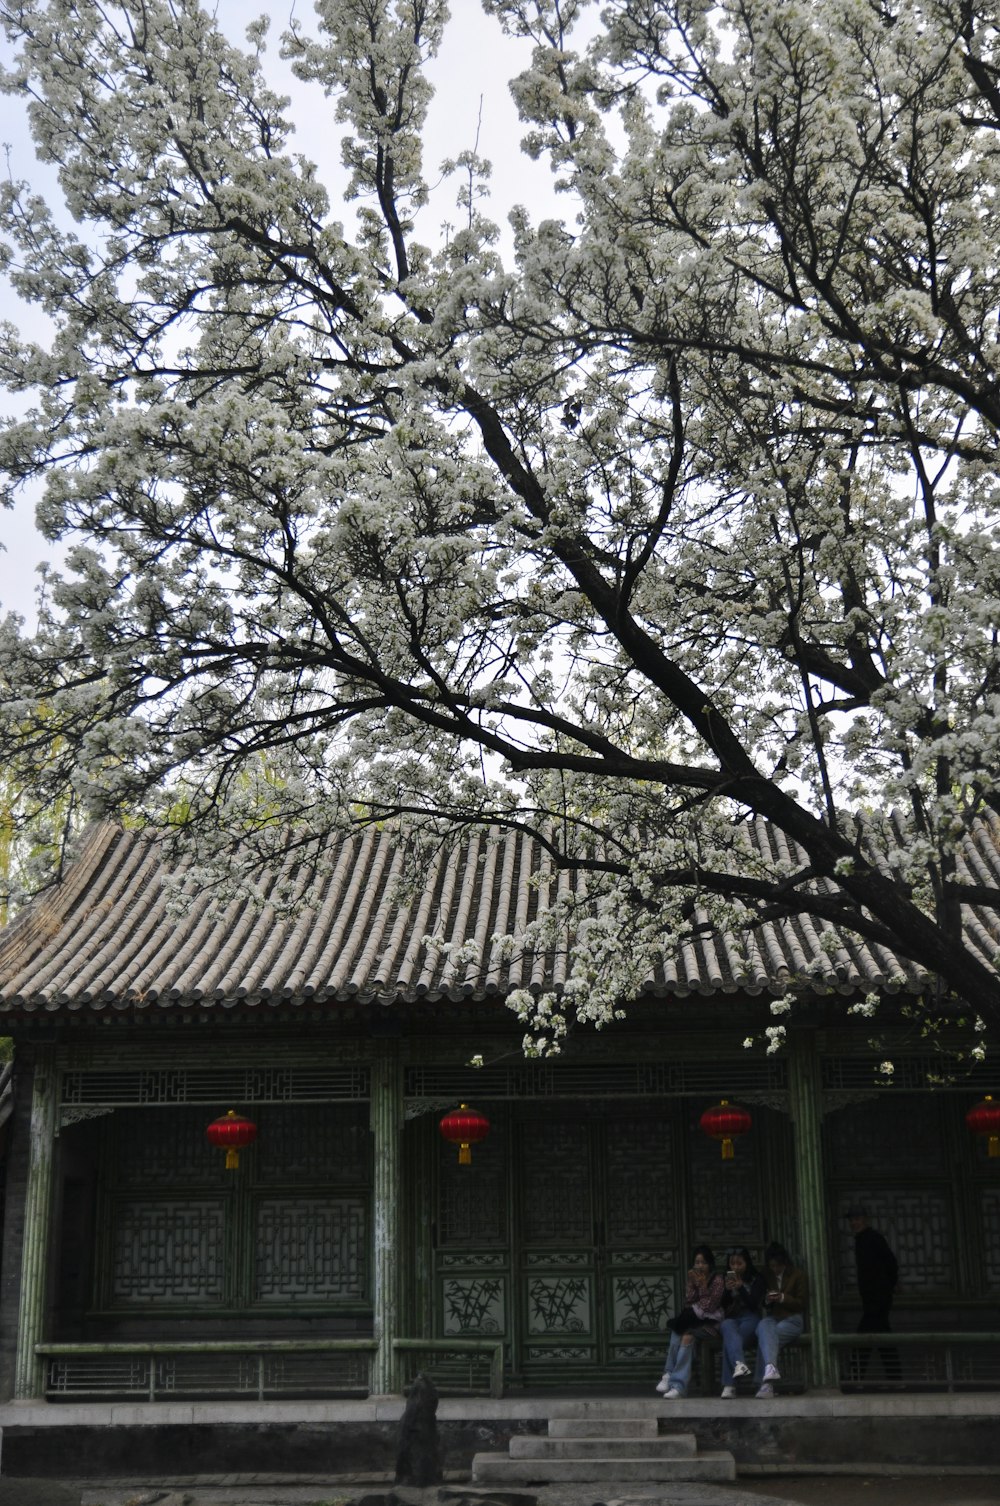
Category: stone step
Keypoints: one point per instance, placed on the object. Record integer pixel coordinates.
(500, 1468)
(623, 1427)
(669, 1446)
(610, 1406)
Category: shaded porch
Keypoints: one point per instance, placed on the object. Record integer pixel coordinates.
(350, 1249)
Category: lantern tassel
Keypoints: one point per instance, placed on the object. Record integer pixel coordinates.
(232, 1159)
(993, 1146)
(465, 1155)
(728, 1149)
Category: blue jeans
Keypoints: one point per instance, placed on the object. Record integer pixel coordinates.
(735, 1332)
(771, 1334)
(677, 1365)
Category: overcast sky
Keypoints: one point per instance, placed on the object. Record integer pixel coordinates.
(470, 75)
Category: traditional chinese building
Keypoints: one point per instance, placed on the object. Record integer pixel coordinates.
(350, 1246)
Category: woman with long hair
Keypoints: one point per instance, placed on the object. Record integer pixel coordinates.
(701, 1314)
(743, 1299)
(784, 1315)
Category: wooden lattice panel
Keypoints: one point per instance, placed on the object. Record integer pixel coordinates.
(554, 1172)
(641, 1305)
(168, 1151)
(641, 1206)
(472, 1200)
(647, 1079)
(169, 1086)
(314, 1143)
(559, 1304)
(289, 1228)
(902, 1132)
(311, 1249)
(989, 1203)
(725, 1198)
(918, 1224)
(474, 1307)
(168, 1251)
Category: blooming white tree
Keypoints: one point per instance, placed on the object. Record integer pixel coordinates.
(686, 517)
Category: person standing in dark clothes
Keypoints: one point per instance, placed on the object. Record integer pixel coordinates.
(877, 1272)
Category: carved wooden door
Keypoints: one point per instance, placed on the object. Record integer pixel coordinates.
(596, 1214)
(568, 1237)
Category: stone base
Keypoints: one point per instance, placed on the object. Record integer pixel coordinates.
(106, 1440)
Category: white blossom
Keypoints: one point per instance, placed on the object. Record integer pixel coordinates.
(670, 537)
(775, 1038)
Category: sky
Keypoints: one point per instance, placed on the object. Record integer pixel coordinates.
(470, 76)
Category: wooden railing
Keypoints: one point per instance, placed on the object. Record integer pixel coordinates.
(159, 1371)
(464, 1367)
(273, 1368)
(928, 1361)
(925, 1361)
(219, 1368)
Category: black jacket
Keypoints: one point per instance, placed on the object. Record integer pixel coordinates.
(878, 1271)
(746, 1298)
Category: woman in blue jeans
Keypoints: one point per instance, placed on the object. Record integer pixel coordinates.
(742, 1301)
(784, 1304)
(701, 1313)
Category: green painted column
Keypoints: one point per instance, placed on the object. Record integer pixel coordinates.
(387, 1124)
(807, 1116)
(419, 1155)
(29, 1373)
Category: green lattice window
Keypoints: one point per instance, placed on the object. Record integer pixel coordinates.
(926, 1183)
(287, 1232)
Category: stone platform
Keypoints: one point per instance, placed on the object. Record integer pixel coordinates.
(816, 1432)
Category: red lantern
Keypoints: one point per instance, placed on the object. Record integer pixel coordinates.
(464, 1127)
(724, 1122)
(231, 1133)
(984, 1119)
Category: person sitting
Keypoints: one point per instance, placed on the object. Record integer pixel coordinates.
(784, 1319)
(701, 1314)
(742, 1301)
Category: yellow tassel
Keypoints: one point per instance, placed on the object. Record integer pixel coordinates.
(728, 1152)
(232, 1159)
(993, 1148)
(465, 1155)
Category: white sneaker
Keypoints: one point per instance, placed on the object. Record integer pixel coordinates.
(771, 1372)
(673, 1395)
(728, 1392)
(663, 1386)
(740, 1370)
(765, 1391)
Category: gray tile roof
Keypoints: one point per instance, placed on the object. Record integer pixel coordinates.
(108, 937)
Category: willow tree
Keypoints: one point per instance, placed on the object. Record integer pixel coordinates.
(33, 839)
(680, 516)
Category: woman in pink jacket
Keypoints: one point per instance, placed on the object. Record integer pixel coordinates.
(701, 1314)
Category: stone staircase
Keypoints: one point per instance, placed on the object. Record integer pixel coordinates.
(594, 1441)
